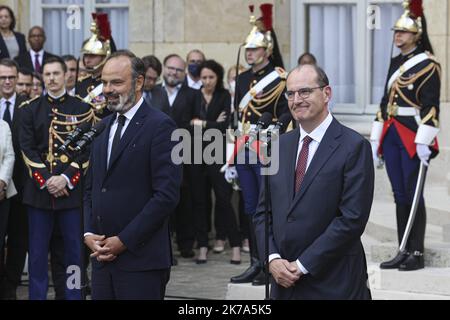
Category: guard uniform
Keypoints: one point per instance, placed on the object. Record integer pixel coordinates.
(408, 117)
(46, 123)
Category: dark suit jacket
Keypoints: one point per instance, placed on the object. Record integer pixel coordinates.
(19, 174)
(4, 53)
(134, 198)
(183, 108)
(24, 60)
(321, 226)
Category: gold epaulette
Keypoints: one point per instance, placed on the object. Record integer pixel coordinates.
(81, 79)
(431, 57)
(283, 74)
(23, 104)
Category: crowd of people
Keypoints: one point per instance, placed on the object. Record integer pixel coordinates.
(137, 202)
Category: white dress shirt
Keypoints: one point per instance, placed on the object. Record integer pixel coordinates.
(317, 135)
(12, 100)
(197, 85)
(128, 116)
(33, 56)
(172, 96)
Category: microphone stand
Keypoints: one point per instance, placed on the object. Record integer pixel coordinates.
(267, 216)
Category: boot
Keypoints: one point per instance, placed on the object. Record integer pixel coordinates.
(249, 274)
(396, 262)
(414, 261)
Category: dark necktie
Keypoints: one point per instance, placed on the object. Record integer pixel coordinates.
(121, 122)
(37, 65)
(7, 114)
(302, 163)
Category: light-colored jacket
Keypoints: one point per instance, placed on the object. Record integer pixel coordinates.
(7, 159)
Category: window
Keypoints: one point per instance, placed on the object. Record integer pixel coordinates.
(354, 53)
(67, 22)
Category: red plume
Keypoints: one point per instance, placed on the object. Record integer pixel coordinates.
(252, 8)
(266, 10)
(103, 25)
(416, 8)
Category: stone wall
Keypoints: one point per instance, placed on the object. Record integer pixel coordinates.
(216, 27)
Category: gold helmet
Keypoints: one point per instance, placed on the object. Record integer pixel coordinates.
(260, 36)
(411, 19)
(99, 42)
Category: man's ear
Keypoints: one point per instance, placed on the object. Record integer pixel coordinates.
(139, 83)
(328, 94)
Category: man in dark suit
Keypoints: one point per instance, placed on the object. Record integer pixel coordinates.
(176, 99)
(17, 222)
(320, 200)
(133, 187)
(34, 58)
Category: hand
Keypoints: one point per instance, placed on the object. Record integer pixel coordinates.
(222, 117)
(56, 184)
(61, 193)
(2, 195)
(93, 242)
(424, 153)
(2, 185)
(100, 251)
(197, 122)
(284, 272)
(111, 248)
(230, 174)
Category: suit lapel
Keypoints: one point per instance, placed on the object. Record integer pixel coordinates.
(326, 148)
(130, 133)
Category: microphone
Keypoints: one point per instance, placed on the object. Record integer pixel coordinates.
(74, 136)
(283, 122)
(89, 136)
(264, 121)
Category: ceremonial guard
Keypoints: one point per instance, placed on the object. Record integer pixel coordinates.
(51, 193)
(259, 90)
(405, 130)
(94, 53)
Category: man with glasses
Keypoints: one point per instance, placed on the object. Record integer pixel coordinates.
(320, 199)
(153, 69)
(175, 98)
(34, 59)
(17, 222)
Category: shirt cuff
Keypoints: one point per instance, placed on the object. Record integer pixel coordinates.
(69, 184)
(88, 234)
(301, 267)
(274, 256)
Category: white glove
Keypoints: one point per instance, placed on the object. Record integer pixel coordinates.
(230, 174)
(378, 162)
(423, 152)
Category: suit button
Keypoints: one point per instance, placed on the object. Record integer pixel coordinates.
(104, 190)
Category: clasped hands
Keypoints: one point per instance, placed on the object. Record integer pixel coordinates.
(56, 186)
(285, 273)
(104, 249)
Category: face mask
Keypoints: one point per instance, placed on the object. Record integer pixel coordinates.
(194, 70)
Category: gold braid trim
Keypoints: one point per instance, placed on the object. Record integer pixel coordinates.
(30, 164)
(424, 81)
(431, 116)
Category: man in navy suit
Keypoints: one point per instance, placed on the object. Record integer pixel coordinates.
(320, 200)
(133, 187)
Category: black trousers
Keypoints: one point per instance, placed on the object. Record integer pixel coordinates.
(184, 217)
(224, 210)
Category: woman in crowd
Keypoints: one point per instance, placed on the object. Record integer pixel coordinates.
(12, 43)
(213, 112)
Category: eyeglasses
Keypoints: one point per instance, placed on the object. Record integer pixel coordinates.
(10, 78)
(304, 93)
(173, 69)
